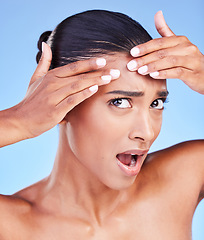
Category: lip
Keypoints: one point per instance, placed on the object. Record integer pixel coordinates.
(136, 151)
(133, 171)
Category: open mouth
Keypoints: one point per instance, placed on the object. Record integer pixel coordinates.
(130, 162)
(128, 159)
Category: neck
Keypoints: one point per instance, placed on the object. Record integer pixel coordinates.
(77, 188)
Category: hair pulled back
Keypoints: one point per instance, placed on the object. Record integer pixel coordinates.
(90, 34)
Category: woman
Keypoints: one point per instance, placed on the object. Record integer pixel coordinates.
(104, 184)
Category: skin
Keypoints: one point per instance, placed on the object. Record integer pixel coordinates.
(87, 196)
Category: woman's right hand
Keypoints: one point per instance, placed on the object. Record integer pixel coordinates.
(52, 94)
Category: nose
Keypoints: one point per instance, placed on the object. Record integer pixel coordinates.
(142, 128)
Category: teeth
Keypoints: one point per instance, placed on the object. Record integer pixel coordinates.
(133, 162)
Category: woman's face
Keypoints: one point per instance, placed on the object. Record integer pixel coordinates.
(111, 132)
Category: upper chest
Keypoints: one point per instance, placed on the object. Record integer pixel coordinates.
(150, 218)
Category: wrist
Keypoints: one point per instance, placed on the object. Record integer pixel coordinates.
(11, 127)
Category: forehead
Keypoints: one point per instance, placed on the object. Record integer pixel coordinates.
(130, 81)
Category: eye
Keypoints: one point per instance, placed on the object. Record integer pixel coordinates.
(121, 102)
(158, 104)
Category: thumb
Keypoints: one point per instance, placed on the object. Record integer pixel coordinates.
(161, 26)
(44, 63)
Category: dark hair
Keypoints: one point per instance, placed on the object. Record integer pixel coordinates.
(90, 34)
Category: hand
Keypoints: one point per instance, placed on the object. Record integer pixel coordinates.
(169, 57)
(52, 94)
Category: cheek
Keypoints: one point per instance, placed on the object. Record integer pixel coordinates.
(156, 124)
(88, 131)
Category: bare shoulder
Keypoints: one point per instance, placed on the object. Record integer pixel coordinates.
(183, 164)
(12, 205)
(13, 211)
(18, 213)
(189, 150)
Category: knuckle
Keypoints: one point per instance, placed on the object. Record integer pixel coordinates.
(161, 54)
(51, 86)
(193, 48)
(81, 77)
(73, 66)
(152, 67)
(141, 61)
(46, 88)
(173, 60)
(70, 100)
(143, 48)
(183, 39)
(74, 85)
(91, 63)
(179, 71)
(160, 42)
(197, 66)
(49, 102)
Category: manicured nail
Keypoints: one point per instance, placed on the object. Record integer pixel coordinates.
(135, 51)
(43, 47)
(106, 78)
(143, 69)
(115, 73)
(100, 62)
(154, 74)
(94, 88)
(132, 65)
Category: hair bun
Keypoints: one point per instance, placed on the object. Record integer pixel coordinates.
(43, 38)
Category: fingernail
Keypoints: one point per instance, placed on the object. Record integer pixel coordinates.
(94, 88)
(43, 47)
(154, 74)
(106, 78)
(132, 65)
(135, 51)
(115, 73)
(100, 62)
(143, 69)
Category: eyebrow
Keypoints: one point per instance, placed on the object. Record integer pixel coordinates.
(163, 93)
(137, 94)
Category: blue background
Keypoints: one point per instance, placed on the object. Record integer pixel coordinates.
(22, 22)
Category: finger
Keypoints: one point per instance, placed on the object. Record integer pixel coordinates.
(44, 63)
(187, 76)
(171, 57)
(79, 67)
(167, 63)
(152, 45)
(158, 44)
(80, 85)
(161, 25)
(71, 101)
(177, 72)
(81, 81)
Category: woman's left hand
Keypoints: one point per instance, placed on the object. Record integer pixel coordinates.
(169, 57)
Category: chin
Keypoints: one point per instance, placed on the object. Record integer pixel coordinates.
(121, 184)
